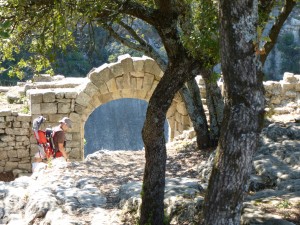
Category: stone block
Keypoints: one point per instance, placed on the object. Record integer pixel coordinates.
(171, 111)
(49, 97)
(75, 127)
(180, 107)
(286, 86)
(78, 108)
(24, 117)
(282, 110)
(101, 75)
(139, 83)
(119, 82)
(76, 136)
(25, 166)
(3, 155)
(297, 86)
(10, 118)
(133, 82)
(106, 97)
(75, 117)
(289, 78)
(148, 81)
(95, 101)
(59, 95)
(141, 94)
(177, 117)
(103, 88)
(2, 119)
(35, 109)
(11, 166)
(3, 144)
(36, 98)
(12, 144)
(63, 107)
(17, 124)
(127, 93)
(83, 99)
(126, 81)
(117, 94)
(23, 153)
(3, 125)
(21, 138)
(5, 112)
(291, 94)
(71, 144)
(275, 100)
(71, 94)
(25, 125)
(91, 89)
(54, 118)
(138, 64)
(17, 131)
(149, 64)
(185, 120)
(111, 85)
(126, 62)
(156, 71)
(7, 138)
(116, 69)
(75, 153)
(48, 108)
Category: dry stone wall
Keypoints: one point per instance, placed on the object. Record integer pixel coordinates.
(283, 97)
(130, 77)
(14, 141)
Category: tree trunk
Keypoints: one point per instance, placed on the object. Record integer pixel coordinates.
(215, 105)
(243, 113)
(193, 103)
(152, 209)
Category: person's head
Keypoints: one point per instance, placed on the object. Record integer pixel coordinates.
(65, 123)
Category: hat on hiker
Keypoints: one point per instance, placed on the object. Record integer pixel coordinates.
(67, 121)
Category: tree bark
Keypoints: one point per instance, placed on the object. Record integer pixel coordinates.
(215, 105)
(243, 113)
(193, 103)
(152, 209)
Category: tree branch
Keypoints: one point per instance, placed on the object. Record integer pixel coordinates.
(275, 30)
(142, 46)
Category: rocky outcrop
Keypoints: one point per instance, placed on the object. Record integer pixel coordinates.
(275, 179)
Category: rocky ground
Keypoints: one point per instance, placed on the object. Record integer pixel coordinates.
(105, 188)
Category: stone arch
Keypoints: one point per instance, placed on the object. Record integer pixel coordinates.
(129, 77)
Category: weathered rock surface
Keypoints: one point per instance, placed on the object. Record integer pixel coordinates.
(105, 188)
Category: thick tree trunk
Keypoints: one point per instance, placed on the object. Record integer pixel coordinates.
(243, 114)
(193, 103)
(152, 209)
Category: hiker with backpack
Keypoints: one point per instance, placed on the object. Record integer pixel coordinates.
(51, 142)
(59, 137)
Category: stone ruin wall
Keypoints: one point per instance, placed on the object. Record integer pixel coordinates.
(282, 97)
(17, 144)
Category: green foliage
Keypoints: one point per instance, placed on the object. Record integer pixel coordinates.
(203, 39)
(284, 204)
(214, 77)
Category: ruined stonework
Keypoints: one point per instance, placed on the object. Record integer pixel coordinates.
(130, 77)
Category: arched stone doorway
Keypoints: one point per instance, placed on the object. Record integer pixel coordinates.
(77, 98)
(130, 77)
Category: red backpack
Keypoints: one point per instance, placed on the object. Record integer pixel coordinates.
(44, 138)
